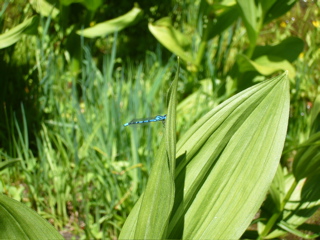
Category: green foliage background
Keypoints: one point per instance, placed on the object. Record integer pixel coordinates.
(64, 100)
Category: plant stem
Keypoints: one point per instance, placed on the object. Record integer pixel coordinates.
(202, 48)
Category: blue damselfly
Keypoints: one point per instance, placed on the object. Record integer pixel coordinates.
(146, 120)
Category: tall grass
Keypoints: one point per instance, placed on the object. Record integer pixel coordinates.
(88, 169)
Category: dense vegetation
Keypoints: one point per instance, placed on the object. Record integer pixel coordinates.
(73, 72)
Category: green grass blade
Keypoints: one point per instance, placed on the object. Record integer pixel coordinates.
(171, 123)
(150, 216)
(8, 163)
(307, 160)
(292, 230)
(230, 158)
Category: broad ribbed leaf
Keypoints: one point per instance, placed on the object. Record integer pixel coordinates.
(172, 39)
(130, 225)
(113, 25)
(278, 9)
(281, 49)
(157, 200)
(226, 163)
(10, 37)
(265, 65)
(150, 216)
(20, 222)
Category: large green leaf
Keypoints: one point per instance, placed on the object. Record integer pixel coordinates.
(20, 222)
(266, 5)
(12, 36)
(288, 49)
(91, 5)
(224, 19)
(172, 39)
(278, 9)
(113, 25)
(44, 8)
(226, 163)
(150, 216)
(265, 65)
(269, 59)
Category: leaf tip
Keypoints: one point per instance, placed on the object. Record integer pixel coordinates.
(286, 73)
